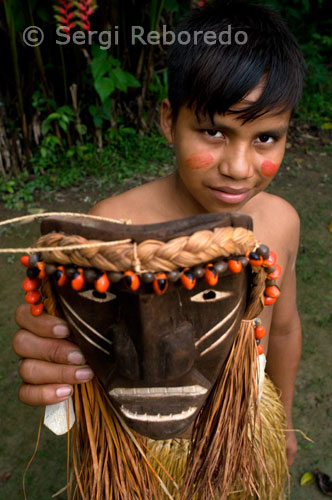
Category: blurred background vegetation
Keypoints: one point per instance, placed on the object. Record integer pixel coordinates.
(72, 112)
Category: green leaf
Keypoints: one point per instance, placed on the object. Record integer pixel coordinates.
(307, 478)
(104, 87)
(123, 80)
(327, 126)
(99, 68)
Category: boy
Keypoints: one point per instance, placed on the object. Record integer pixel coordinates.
(227, 117)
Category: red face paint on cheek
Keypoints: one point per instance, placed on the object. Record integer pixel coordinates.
(199, 160)
(269, 169)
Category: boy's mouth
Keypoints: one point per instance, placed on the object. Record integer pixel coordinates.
(230, 195)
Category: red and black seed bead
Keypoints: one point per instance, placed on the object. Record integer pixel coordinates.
(131, 280)
(271, 260)
(211, 275)
(234, 265)
(260, 332)
(78, 281)
(25, 260)
(260, 349)
(160, 283)
(60, 276)
(32, 297)
(37, 309)
(41, 268)
(255, 259)
(272, 291)
(276, 273)
(30, 284)
(102, 283)
(188, 279)
(269, 301)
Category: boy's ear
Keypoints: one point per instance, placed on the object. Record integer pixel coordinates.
(166, 121)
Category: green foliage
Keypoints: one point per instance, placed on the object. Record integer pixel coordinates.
(107, 74)
(63, 116)
(126, 156)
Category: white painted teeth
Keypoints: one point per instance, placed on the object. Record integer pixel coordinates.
(144, 417)
(158, 392)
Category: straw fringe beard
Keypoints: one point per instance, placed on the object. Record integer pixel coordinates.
(110, 461)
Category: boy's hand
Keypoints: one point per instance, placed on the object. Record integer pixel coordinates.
(49, 366)
(291, 447)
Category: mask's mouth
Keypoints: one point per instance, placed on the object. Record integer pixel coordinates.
(159, 412)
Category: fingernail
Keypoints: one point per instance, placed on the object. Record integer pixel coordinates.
(76, 358)
(61, 331)
(64, 392)
(84, 374)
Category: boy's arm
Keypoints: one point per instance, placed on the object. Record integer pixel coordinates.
(284, 349)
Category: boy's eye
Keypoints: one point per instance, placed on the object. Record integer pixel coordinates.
(213, 133)
(266, 139)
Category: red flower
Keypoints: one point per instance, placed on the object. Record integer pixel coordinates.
(74, 13)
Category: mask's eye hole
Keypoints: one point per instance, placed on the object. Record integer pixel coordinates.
(97, 297)
(210, 296)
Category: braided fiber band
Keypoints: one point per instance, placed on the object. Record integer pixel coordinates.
(150, 255)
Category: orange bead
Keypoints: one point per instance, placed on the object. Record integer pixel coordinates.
(160, 283)
(260, 349)
(234, 265)
(276, 273)
(102, 283)
(260, 332)
(131, 280)
(269, 301)
(41, 267)
(32, 297)
(211, 275)
(272, 291)
(30, 284)
(36, 309)
(255, 259)
(78, 282)
(25, 260)
(188, 279)
(60, 276)
(271, 260)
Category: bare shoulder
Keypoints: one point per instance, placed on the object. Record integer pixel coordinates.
(143, 204)
(280, 210)
(276, 222)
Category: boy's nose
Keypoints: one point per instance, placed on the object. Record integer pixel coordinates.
(236, 163)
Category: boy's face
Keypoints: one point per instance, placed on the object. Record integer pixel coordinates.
(225, 164)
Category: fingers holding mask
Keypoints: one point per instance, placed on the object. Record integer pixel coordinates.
(47, 383)
(44, 325)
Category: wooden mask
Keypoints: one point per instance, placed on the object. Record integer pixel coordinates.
(157, 355)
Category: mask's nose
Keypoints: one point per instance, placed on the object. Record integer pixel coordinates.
(151, 344)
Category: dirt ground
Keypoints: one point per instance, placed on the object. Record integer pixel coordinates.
(305, 181)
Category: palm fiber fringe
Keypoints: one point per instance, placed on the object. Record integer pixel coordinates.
(172, 454)
(226, 452)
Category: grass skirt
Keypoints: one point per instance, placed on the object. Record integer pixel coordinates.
(172, 453)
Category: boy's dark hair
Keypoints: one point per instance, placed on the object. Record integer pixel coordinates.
(211, 78)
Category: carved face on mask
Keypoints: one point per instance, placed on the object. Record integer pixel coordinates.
(157, 356)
